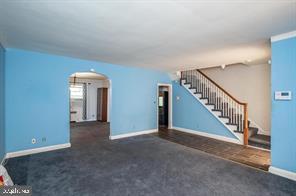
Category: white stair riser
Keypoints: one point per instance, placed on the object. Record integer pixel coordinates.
(198, 95)
(204, 101)
(211, 107)
(225, 120)
(232, 127)
(193, 90)
(217, 113)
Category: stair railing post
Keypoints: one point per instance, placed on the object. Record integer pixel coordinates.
(246, 127)
(182, 73)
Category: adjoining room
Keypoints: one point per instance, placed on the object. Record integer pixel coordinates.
(90, 101)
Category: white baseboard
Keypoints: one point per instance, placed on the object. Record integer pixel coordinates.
(114, 137)
(37, 150)
(281, 172)
(210, 135)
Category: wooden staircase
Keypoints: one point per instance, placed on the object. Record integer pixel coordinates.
(230, 111)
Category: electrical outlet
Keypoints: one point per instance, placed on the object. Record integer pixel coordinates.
(33, 140)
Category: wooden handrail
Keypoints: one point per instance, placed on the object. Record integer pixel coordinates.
(222, 89)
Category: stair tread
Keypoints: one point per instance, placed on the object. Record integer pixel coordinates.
(216, 110)
(252, 131)
(261, 139)
(231, 124)
(264, 146)
(224, 117)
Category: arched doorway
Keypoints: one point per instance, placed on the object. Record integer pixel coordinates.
(90, 100)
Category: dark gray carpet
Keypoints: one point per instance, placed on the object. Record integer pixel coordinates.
(142, 165)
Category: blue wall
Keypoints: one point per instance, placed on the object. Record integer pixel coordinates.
(2, 135)
(37, 97)
(189, 113)
(283, 127)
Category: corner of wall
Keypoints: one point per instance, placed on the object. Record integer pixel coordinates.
(2, 103)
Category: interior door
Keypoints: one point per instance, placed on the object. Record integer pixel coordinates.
(102, 104)
(99, 104)
(163, 108)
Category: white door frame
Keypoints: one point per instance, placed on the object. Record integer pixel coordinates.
(170, 112)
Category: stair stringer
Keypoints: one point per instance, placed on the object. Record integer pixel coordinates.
(230, 128)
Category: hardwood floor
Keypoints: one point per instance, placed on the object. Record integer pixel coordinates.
(242, 154)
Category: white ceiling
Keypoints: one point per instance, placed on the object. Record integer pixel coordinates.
(168, 35)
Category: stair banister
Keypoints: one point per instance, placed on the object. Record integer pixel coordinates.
(220, 87)
(225, 102)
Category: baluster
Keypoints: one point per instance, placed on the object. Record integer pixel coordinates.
(219, 100)
(241, 118)
(203, 87)
(199, 82)
(195, 81)
(236, 114)
(222, 104)
(230, 110)
(226, 107)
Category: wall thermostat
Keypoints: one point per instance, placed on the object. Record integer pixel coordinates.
(283, 95)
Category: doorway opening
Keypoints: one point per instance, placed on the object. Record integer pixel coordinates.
(164, 106)
(90, 98)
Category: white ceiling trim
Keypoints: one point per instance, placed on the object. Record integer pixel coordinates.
(283, 36)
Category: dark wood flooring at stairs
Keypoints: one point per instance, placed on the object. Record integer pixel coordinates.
(238, 153)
